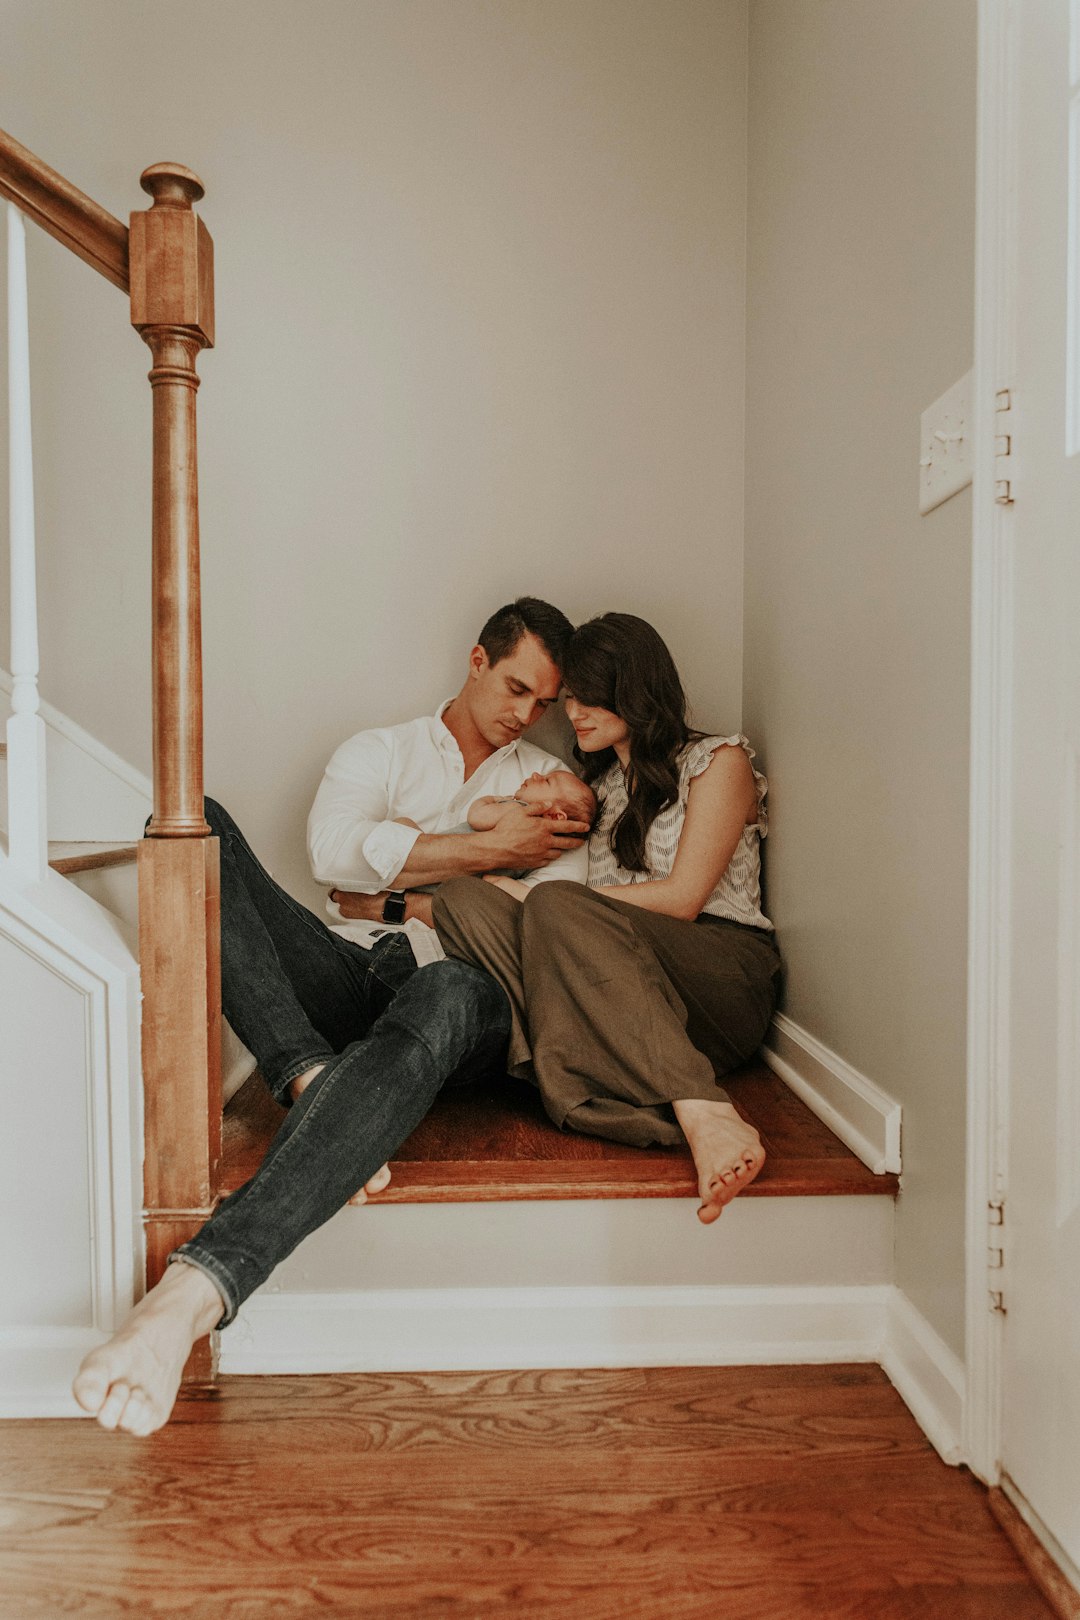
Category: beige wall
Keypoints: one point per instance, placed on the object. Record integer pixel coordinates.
(480, 324)
(860, 276)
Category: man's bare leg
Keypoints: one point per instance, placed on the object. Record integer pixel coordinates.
(727, 1152)
(130, 1383)
(375, 1183)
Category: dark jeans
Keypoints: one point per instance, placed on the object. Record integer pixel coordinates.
(390, 1035)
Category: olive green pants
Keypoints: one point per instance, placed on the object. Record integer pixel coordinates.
(617, 1012)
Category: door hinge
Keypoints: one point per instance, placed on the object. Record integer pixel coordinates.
(995, 1253)
(1003, 443)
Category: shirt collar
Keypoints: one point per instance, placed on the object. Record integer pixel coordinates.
(446, 739)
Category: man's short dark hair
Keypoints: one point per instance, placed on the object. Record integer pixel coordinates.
(527, 616)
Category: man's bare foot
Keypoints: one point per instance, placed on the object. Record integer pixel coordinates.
(375, 1183)
(727, 1152)
(298, 1086)
(130, 1383)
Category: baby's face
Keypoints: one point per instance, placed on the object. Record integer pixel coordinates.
(549, 789)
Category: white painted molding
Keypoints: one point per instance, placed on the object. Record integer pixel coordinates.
(1041, 1531)
(459, 1329)
(990, 824)
(93, 794)
(856, 1110)
(484, 1329)
(26, 788)
(36, 1369)
(927, 1374)
(83, 945)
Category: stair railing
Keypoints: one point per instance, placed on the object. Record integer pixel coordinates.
(28, 849)
(164, 261)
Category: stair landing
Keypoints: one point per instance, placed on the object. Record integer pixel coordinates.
(492, 1141)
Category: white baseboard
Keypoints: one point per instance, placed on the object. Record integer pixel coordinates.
(36, 1369)
(463, 1329)
(856, 1110)
(927, 1374)
(480, 1329)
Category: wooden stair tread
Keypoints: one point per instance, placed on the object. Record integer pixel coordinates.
(71, 857)
(492, 1140)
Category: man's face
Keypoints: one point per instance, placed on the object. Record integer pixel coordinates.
(507, 697)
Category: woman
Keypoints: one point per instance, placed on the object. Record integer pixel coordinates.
(630, 997)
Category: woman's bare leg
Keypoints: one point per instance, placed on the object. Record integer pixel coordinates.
(727, 1152)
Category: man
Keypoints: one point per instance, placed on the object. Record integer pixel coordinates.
(429, 772)
(351, 1037)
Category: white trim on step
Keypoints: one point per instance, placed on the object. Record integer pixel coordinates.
(97, 751)
(927, 1374)
(93, 794)
(461, 1329)
(856, 1110)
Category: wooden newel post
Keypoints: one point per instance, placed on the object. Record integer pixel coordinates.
(172, 307)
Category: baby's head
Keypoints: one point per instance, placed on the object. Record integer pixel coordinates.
(570, 798)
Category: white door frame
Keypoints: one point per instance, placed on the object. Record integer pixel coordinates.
(991, 733)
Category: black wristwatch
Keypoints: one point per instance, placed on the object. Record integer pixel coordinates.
(393, 910)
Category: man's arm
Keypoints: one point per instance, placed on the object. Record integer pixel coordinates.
(353, 843)
(523, 838)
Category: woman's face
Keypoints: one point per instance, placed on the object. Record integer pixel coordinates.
(597, 729)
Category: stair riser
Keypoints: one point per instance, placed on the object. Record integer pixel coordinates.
(595, 1243)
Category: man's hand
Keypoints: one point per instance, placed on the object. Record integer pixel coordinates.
(525, 837)
(369, 907)
(360, 907)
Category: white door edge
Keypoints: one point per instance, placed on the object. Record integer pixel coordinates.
(991, 690)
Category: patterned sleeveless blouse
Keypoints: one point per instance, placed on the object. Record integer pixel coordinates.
(737, 896)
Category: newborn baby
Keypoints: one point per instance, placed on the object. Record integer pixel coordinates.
(561, 795)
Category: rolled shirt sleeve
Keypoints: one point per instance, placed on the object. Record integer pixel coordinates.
(352, 841)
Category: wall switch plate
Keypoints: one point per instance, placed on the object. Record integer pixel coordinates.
(947, 450)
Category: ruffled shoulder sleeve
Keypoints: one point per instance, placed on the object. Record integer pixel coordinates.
(698, 755)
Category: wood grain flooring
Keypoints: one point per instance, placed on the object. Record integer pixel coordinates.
(492, 1140)
(773, 1493)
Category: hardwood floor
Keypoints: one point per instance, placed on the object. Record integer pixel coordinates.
(775, 1493)
(493, 1141)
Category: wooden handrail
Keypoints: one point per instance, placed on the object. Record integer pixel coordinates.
(64, 211)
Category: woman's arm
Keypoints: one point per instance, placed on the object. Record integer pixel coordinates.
(720, 804)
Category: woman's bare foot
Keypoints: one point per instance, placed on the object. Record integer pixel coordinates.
(375, 1183)
(727, 1152)
(131, 1382)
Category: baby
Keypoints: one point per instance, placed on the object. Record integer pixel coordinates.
(562, 796)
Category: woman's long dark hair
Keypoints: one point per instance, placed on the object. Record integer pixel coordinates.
(619, 662)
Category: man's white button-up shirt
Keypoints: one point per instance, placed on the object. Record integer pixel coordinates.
(414, 770)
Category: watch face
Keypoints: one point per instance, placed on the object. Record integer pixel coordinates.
(394, 907)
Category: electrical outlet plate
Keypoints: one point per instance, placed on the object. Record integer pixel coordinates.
(947, 449)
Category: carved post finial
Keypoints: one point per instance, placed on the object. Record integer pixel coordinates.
(172, 185)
